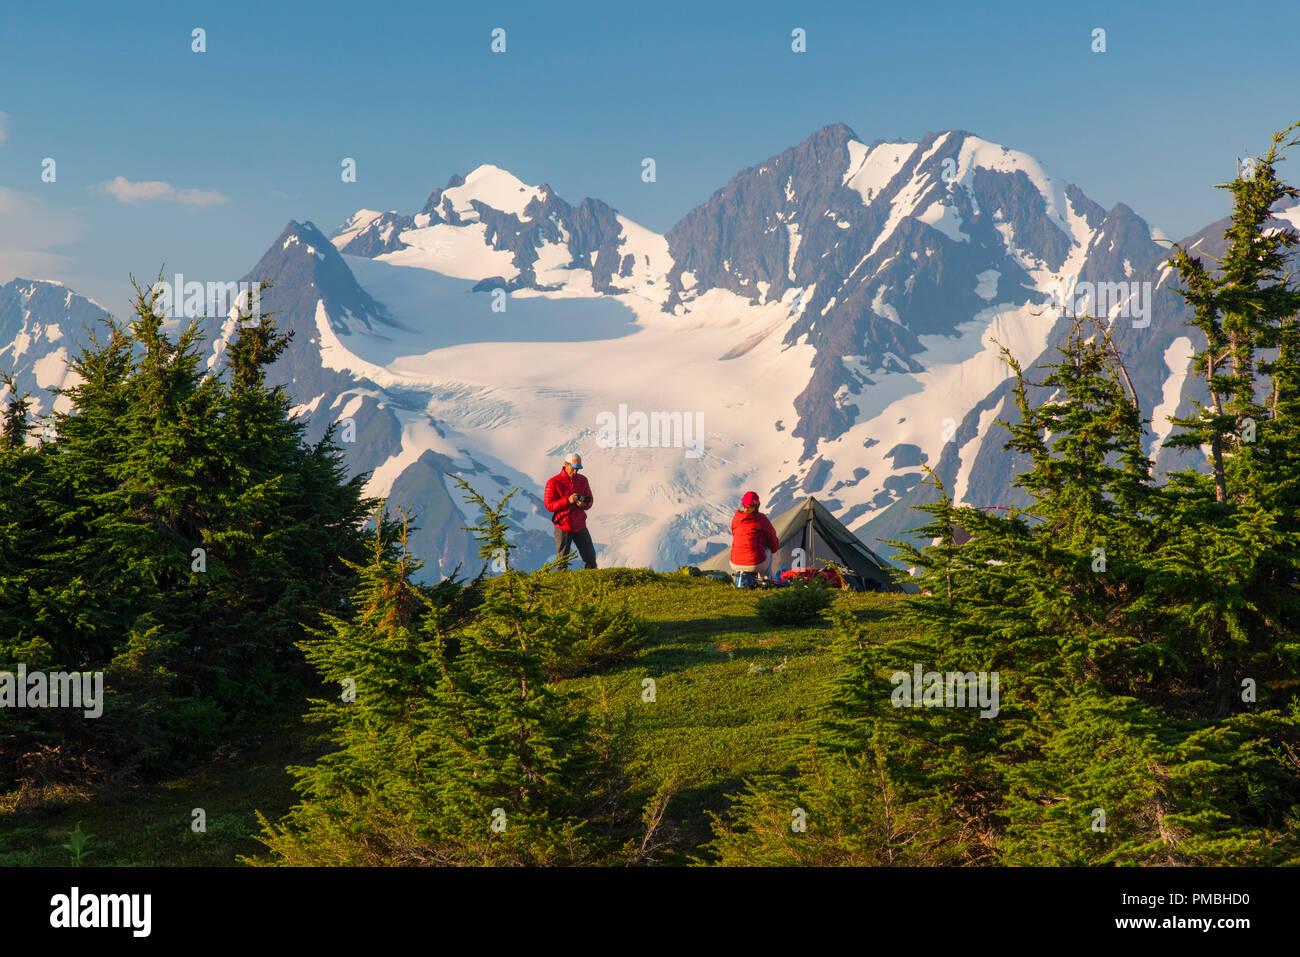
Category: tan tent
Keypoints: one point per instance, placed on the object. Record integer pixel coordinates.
(810, 526)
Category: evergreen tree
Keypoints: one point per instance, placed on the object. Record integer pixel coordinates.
(1237, 560)
(178, 535)
(22, 470)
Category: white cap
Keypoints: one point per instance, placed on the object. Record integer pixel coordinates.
(574, 459)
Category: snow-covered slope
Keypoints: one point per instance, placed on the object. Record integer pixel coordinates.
(42, 326)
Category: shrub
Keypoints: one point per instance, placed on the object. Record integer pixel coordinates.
(584, 630)
(626, 577)
(591, 635)
(575, 628)
(799, 603)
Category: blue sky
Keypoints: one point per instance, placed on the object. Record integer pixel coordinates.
(251, 133)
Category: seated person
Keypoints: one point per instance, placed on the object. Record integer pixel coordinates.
(753, 539)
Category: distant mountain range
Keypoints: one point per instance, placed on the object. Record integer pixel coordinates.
(827, 317)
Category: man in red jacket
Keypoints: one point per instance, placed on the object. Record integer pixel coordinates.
(753, 539)
(567, 498)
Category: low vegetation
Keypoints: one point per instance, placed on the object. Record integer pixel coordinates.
(799, 603)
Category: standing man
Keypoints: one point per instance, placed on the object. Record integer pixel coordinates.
(567, 497)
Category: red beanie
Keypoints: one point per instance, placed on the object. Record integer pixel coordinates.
(749, 498)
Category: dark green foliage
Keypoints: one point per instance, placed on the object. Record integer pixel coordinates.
(179, 535)
(799, 603)
(590, 633)
(17, 412)
(622, 577)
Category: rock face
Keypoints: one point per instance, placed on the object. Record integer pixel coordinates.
(888, 243)
(826, 315)
(371, 234)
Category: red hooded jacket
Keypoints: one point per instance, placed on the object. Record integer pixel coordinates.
(571, 518)
(752, 536)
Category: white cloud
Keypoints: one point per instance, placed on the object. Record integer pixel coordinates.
(125, 191)
(29, 230)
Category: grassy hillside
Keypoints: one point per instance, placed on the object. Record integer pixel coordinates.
(730, 690)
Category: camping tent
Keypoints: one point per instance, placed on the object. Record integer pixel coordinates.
(810, 526)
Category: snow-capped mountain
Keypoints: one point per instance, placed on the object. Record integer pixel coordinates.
(42, 325)
(819, 325)
(828, 311)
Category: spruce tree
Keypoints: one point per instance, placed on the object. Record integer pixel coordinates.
(180, 534)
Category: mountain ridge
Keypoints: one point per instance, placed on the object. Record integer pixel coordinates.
(827, 312)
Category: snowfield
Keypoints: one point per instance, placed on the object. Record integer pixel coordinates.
(527, 385)
(663, 502)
